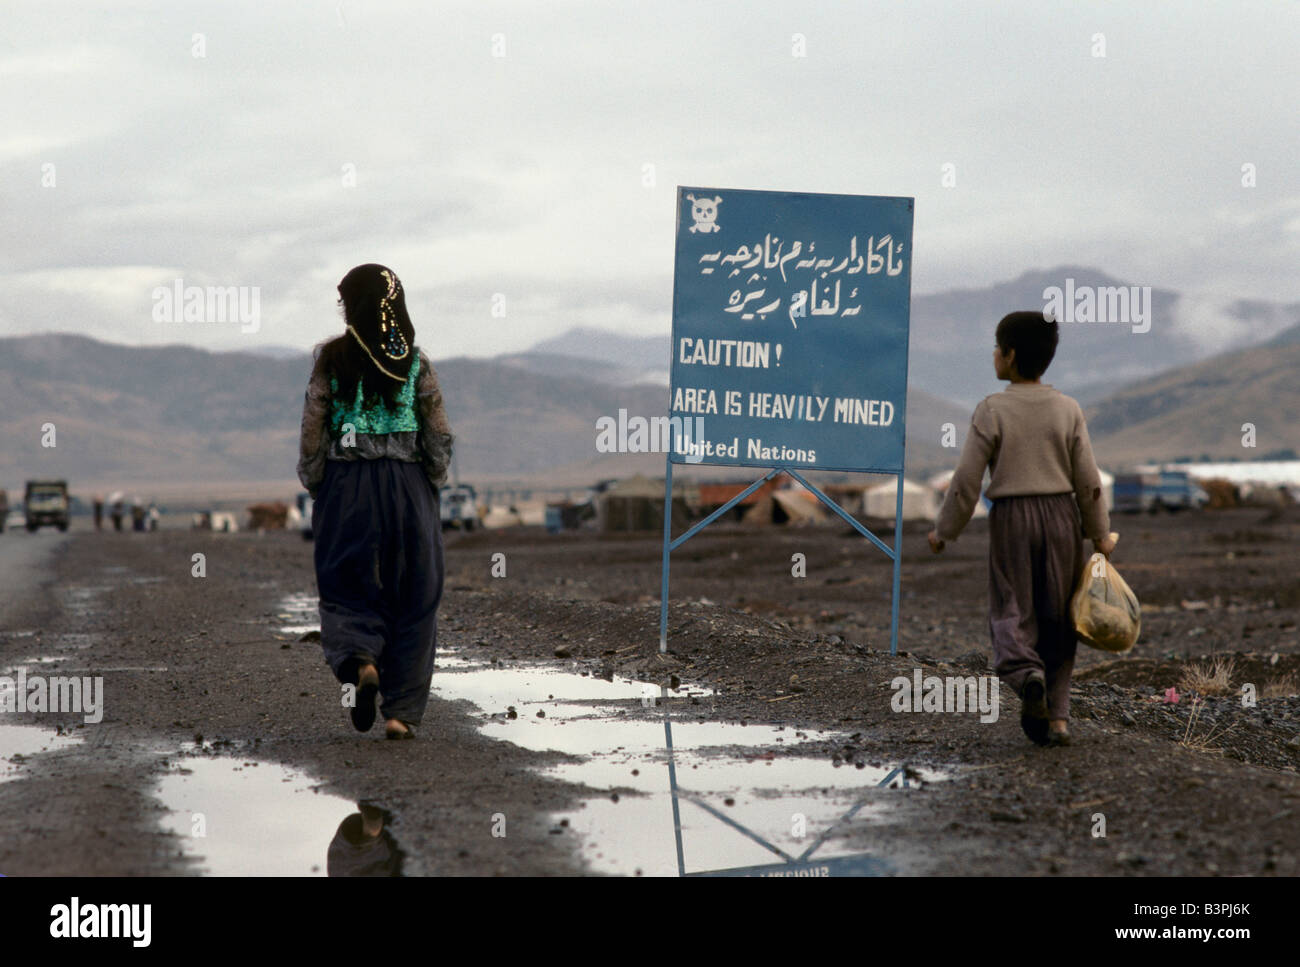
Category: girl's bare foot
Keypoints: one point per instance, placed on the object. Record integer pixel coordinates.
(363, 712)
(397, 729)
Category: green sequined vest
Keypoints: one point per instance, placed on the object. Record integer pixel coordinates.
(376, 416)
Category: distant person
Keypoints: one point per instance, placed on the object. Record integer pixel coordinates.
(99, 512)
(137, 516)
(1047, 496)
(118, 513)
(378, 551)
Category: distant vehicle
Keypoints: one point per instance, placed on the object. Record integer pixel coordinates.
(46, 502)
(305, 504)
(1151, 492)
(459, 507)
(212, 520)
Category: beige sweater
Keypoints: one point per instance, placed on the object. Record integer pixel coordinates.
(1034, 440)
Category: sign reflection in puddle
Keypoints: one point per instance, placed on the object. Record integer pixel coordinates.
(684, 797)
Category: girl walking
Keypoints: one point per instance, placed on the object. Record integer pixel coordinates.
(1047, 497)
(374, 449)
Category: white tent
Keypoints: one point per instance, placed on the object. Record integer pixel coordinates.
(532, 513)
(787, 507)
(919, 502)
(499, 515)
(939, 484)
(1107, 487)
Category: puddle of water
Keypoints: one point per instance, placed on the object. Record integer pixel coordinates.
(301, 612)
(729, 808)
(743, 794)
(750, 775)
(263, 819)
(451, 661)
(18, 741)
(541, 687)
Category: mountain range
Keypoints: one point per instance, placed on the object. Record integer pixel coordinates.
(156, 417)
(952, 335)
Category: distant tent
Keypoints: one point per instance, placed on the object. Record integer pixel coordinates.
(267, 516)
(785, 507)
(1107, 488)
(531, 512)
(714, 495)
(500, 515)
(919, 502)
(939, 484)
(637, 504)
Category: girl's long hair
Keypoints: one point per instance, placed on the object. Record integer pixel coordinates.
(378, 349)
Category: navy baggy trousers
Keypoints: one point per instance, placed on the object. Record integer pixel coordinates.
(379, 571)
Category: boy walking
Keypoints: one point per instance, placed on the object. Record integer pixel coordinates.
(1047, 497)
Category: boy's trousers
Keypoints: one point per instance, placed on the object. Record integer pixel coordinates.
(1036, 558)
(379, 569)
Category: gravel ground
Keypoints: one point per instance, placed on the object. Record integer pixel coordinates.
(1201, 785)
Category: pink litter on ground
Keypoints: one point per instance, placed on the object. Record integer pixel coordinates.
(1171, 695)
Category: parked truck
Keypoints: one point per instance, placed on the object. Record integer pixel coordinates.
(46, 502)
(1153, 491)
(458, 507)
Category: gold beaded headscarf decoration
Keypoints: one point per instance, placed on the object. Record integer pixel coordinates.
(394, 344)
(392, 341)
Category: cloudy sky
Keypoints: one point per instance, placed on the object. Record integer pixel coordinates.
(532, 150)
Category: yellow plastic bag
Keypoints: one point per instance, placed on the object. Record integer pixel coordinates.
(1105, 610)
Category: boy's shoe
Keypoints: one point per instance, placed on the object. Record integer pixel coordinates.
(1036, 729)
(1033, 709)
(1059, 738)
(1033, 696)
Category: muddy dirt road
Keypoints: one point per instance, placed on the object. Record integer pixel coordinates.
(223, 746)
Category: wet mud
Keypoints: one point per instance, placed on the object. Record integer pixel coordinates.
(224, 748)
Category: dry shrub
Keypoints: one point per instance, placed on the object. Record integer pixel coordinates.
(1202, 742)
(1280, 687)
(1212, 678)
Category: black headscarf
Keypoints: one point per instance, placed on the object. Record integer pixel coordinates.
(379, 346)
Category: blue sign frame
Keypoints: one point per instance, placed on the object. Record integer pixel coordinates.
(863, 864)
(791, 316)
